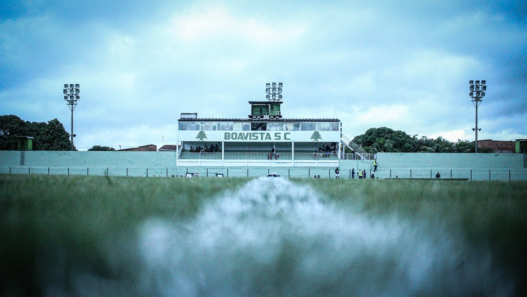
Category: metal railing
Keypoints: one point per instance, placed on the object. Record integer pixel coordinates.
(496, 174)
(258, 156)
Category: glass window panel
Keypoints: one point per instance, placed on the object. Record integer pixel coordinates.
(237, 126)
(308, 126)
(207, 126)
(226, 126)
(275, 126)
(246, 127)
(292, 126)
(323, 126)
(334, 126)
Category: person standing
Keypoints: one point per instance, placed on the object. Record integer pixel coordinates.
(438, 175)
(374, 165)
(337, 173)
(353, 173)
(359, 174)
(364, 173)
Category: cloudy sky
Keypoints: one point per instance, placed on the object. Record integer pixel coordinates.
(399, 64)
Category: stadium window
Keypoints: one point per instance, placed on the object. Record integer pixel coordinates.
(323, 126)
(308, 126)
(275, 126)
(292, 126)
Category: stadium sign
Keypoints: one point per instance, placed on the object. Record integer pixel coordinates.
(257, 136)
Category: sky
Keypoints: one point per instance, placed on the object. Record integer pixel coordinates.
(140, 64)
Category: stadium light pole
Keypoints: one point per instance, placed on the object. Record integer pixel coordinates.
(71, 95)
(477, 92)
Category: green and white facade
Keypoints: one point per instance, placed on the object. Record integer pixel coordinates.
(251, 141)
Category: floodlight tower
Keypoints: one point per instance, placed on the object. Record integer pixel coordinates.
(477, 92)
(71, 95)
(274, 92)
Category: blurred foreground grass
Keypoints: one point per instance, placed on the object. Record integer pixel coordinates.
(76, 213)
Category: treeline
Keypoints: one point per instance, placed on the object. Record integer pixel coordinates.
(384, 139)
(50, 136)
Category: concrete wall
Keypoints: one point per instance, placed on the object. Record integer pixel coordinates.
(451, 161)
(10, 158)
(90, 159)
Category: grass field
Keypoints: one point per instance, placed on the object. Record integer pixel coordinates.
(118, 236)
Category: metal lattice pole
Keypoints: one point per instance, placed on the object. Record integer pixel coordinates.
(71, 96)
(477, 92)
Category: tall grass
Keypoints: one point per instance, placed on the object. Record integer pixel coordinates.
(65, 219)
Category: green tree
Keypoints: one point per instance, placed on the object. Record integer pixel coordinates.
(54, 137)
(384, 139)
(46, 136)
(11, 126)
(101, 148)
(316, 136)
(201, 135)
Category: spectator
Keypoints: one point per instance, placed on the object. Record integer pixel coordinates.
(353, 173)
(375, 165)
(438, 175)
(359, 174)
(337, 173)
(364, 173)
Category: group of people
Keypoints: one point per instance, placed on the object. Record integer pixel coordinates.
(360, 174)
(325, 151)
(211, 149)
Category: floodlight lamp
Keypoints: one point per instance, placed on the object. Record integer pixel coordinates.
(483, 88)
(267, 85)
(77, 91)
(470, 82)
(71, 86)
(279, 97)
(482, 94)
(268, 97)
(77, 97)
(65, 97)
(477, 88)
(471, 94)
(65, 91)
(65, 86)
(280, 85)
(274, 90)
(477, 82)
(274, 96)
(472, 87)
(268, 90)
(274, 85)
(279, 90)
(77, 86)
(483, 82)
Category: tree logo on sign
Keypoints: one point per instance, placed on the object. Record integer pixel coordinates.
(316, 136)
(201, 135)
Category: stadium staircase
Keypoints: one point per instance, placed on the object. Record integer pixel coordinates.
(355, 147)
(22, 158)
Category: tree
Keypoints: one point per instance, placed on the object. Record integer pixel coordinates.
(201, 135)
(46, 136)
(384, 139)
(11, 126)
(316, 136)
(101, 148)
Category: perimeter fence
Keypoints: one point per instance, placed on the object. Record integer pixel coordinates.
(291, 172)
